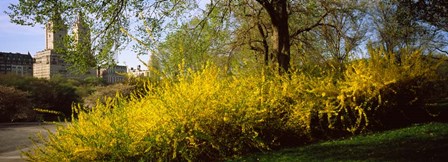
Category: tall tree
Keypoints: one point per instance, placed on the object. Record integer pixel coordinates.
(271, 27)
(397, 28)
(347, 31)
(115, 22)
(279, 16)
(434, 12)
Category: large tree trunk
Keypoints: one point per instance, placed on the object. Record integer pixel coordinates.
(281, 47)
(280, 37)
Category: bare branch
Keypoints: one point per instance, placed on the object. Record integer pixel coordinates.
(318, 23)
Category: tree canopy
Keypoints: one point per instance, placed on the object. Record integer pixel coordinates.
(279, 34)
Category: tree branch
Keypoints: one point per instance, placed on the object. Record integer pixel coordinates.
(441, 50)
(318, 23)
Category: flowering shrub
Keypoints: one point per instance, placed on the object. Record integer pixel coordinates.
(374, 92)
(200, 115)
(207, 115)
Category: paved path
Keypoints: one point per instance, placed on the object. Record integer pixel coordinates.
(15, 137)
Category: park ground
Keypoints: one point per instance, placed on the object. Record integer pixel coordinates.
(419, 142)
(15, 137)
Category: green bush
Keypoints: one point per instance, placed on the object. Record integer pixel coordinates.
(14, 105)
(101, 94)
(54, 95)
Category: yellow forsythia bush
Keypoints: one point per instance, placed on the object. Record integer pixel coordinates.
(199, 116)
(209, 115)
(373, 92)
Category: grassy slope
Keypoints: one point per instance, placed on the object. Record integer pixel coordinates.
(424, 142)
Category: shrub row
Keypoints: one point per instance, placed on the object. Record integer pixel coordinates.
(55, 95)
(208, 115)
(14, 105)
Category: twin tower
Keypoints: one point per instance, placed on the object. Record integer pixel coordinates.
(49, 62)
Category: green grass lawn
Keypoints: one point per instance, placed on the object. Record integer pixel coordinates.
(423, 142)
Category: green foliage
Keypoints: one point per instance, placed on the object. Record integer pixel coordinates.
(101, 94)
(192, 46)
(55, 95)
(14, 105)
(415, 143)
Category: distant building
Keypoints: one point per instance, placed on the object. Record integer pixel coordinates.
(138, 72)
(16, 63)
(48, 63)
(114, 74)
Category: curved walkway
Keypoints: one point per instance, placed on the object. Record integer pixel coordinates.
(15, 137)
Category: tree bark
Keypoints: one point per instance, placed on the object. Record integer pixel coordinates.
(280, 37)
(265, 44)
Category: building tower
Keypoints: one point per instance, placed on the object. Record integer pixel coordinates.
(55, 32)
(81, 33)
(49, 63)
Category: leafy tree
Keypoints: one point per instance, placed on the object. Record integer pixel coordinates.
(434, 12)
(397, 28)
(192, 46)
(346, 33)
(258, 30)
(111, 20)
(274, 20)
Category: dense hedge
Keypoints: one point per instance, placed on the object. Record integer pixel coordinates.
(55, 95)
(14, 105)
(208, 115)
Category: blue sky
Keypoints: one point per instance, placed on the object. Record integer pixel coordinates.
(23, 39)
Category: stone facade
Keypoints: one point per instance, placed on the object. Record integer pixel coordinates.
(16, 63)
(45, 64)
(48, 63)
(138, 72)
(115, 74)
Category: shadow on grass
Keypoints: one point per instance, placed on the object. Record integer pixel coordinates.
(425, 142)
